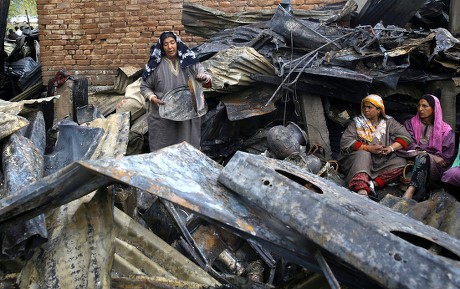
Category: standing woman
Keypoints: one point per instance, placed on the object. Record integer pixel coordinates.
(368, 145)
(434, 143)
(168, 68)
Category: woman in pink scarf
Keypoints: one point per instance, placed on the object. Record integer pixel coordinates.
(433, 141)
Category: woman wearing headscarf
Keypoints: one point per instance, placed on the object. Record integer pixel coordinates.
(170, 65)
(433, 142)
(368, 145)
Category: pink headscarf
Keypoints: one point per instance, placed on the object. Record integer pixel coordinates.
(440, 128)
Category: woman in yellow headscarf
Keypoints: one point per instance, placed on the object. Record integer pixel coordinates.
(368, 145)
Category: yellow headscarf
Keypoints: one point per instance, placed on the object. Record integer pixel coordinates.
(377, 101)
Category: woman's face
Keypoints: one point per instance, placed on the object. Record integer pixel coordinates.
(370, 111)
(425, 111)
(170, 47)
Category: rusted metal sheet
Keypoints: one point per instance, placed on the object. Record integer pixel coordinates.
(372, 242)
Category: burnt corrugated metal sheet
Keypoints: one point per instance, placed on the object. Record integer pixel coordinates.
(442, 211)
(206, 22)
(231, 69)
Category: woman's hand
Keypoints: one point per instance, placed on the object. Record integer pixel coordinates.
(153, 98)
(391, 148)
(205, 78)
(375, 148)
(387, 150)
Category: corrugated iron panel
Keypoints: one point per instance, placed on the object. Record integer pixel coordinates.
(231, 69)
(442, 211)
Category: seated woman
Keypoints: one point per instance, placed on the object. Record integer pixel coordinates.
(433, 142)
(367, 148)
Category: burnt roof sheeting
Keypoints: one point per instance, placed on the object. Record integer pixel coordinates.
(12, 108)
(442, 211)
(232, 68)
(180, 174)
(80, 250)
(249, 102)
(184, 176)
(303, 33)
(105, 102)
(36, 130)
(432, 14)
(114, 141)
(74, 143)
(379, 54)
(22, 66)
(56, 189)
(22, 165)
(30, 78)
(11, 123)
(386, 247)
(390, 12)
(205, 21)
(151, 249)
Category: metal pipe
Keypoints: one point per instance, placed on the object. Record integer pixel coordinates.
(327, 272)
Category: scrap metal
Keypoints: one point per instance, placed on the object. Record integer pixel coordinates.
(11, 123)
(394, 12)
(207, 22)
(23, 164)
(395, 250)
(232, 68)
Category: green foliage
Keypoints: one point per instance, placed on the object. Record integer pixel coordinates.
(21, 7)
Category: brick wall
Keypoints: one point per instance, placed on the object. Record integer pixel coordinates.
(95, 38)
